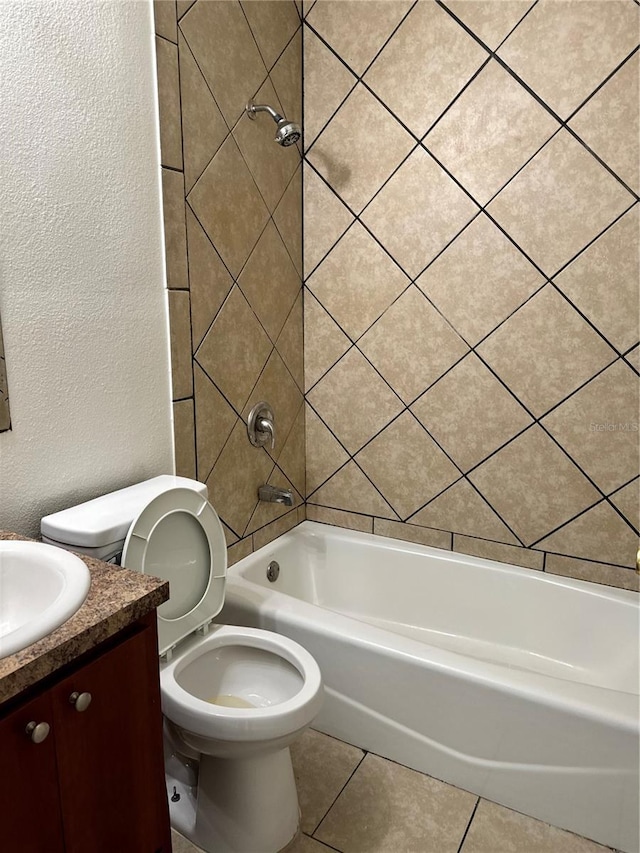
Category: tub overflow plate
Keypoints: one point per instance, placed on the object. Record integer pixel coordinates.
(273, 570)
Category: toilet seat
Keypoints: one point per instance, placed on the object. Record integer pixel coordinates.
(178, 537)
(226, 723)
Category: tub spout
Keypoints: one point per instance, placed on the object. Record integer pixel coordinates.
(274, 495)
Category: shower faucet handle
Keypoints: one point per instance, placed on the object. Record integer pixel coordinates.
(261, 425)
(265, 427)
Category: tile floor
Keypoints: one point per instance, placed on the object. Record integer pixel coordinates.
(356, 802)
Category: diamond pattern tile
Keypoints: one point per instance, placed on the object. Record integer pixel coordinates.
(565, 48)
(603, 282)
(609, 124)
(277, 386)
(327, 82)
(214, 421)
(633, 358)
(406, 465)
(627, 500)
(353, 159)
(271, 165)
(548, 208)
(291, 460)
(480, 289)
(349, 487)
(209, 279)
(290, 343)
(461, 509)
(545, 351)
(599, 534)
(273, 23)
(493, 128)
(326, 342)
(429, 47)
(217, 34)
(224, 353)
(286, 76)
(354, 386)
(183, 6)
(356, 30)
(288, 220)
(229, 206)
(516, 482)
(270, 254)
(479, 280)
(243, 224)
(412, 345)
(325, 217)
(357, 281)
(596, 427)
(204, 129)
(470, 394)
(235, 478)
(490, 20)
(324, 454)
(418, 212)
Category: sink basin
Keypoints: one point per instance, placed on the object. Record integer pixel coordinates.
(40, 588)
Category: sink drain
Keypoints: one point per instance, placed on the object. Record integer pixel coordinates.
(273, 571)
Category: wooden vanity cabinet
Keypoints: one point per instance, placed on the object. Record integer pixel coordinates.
(30, 820)
(96, 783)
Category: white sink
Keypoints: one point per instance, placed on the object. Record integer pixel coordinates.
(40, 588)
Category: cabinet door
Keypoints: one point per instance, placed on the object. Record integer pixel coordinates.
(29, 804)
(110, 759)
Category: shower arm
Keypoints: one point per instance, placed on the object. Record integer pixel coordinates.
(252, 109)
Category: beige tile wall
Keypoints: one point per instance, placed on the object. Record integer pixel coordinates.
(471, 276)
(232, 204)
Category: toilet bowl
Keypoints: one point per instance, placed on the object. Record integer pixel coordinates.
(234, 698)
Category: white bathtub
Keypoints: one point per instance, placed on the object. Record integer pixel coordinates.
(518, 686)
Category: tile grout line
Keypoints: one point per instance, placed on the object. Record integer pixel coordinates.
(473, 814)
(534, 94)
(353, 772)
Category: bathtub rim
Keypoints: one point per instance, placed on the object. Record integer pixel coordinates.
(536, 575)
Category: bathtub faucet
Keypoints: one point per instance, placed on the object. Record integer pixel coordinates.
(274, 495)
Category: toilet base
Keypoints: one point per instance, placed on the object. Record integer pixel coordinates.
(246, 805)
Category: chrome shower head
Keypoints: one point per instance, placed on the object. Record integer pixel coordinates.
(288, 132)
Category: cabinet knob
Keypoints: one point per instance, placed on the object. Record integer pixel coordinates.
(38, 731)
(80, 701)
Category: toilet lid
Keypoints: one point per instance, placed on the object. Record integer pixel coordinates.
(178, 537)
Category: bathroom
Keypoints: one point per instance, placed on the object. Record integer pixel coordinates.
(488, 344)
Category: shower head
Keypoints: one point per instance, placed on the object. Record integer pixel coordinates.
(288, 132)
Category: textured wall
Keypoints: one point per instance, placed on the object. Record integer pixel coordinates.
(232, 204)
(471, 276)
(81, 278)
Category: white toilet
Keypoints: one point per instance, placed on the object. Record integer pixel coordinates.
(233, 698)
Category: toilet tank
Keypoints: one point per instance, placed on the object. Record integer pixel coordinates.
(99, 527)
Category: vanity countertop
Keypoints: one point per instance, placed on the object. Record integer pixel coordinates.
(117, 598)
